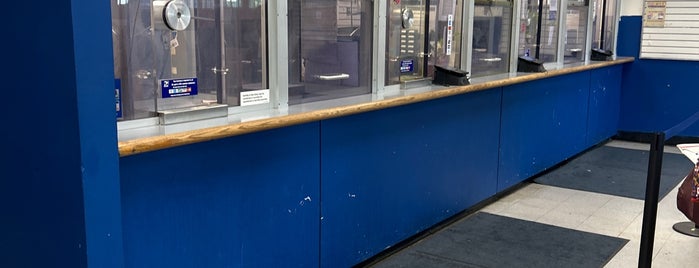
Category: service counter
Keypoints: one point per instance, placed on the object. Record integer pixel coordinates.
(150, 138)
(333, 184)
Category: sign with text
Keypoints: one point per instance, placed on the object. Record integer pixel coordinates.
(407, 66)
(254, 97)
(654, 14)
(117, 93)
(178, 87)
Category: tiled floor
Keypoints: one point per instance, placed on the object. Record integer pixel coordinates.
(608, 215)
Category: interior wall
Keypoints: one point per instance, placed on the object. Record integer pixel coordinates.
(41, 194)
(656, 94)
(631, 7)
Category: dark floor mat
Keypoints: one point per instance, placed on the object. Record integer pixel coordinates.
(616, 171)
(487, 240)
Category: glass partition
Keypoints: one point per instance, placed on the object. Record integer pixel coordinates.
(245, 48)
(420, 35)
(330, 49)
(538, 31)
(604, 24)
(492, 36)
(576, 31)
(185, 55)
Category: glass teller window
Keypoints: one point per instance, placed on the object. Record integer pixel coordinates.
(492, 35)
(185, 55)
(330, 49)
(576, 30)
(604, 24)
(420, 35)
(538, 31)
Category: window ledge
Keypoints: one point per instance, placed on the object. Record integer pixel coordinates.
(152, 138)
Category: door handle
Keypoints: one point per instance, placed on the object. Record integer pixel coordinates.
(222, 71)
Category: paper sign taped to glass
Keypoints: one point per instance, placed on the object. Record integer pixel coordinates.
(688, 193)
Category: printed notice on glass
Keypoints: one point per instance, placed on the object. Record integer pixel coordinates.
(654, 14)
(117, 95)
(179, 87)
(254, 97)
(450, 33)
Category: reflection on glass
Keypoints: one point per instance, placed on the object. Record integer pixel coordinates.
(576, 30)
(420, 35)
(222, 47)
(603, 24)
(492, 24)
(330, 49)
(534, 41)
(245, 46)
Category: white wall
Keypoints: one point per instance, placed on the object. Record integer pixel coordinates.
(631, 7)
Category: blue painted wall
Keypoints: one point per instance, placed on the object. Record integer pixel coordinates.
(59, 136)
(247, 201)
(390, 174)
(94, 74)
(543, 123)
(656, 94)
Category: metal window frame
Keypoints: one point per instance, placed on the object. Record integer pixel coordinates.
(562, 33)
(514, 43)
(467, 9)
(276, 57)
(615, 31)
(590, 33)
(378, 85)
(278, 47)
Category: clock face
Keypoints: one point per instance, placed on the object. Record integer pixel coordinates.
(177, 15)
(407, 18)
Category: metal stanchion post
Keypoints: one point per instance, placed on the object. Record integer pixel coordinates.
(650, 209)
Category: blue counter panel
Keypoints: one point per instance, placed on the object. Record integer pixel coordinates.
(389, 174)
(245, 201)
(543, 123)
(605, 95)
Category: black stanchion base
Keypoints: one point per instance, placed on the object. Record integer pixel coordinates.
(688, 228)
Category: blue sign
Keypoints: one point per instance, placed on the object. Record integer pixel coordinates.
(407, 66)
(179, 87)
(117, 93)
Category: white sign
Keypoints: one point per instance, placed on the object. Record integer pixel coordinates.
(254, 97)
(450, 25)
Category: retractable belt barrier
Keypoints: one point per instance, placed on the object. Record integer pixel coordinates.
(650, 206)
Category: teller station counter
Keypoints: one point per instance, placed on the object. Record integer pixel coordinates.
(312, 133)
(331, 133)
(344, 183)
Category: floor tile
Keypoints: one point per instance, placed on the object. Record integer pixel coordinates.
(607, 215)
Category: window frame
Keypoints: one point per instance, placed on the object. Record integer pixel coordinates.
(275, 34)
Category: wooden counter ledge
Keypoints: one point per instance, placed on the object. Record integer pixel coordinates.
(142, 145)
